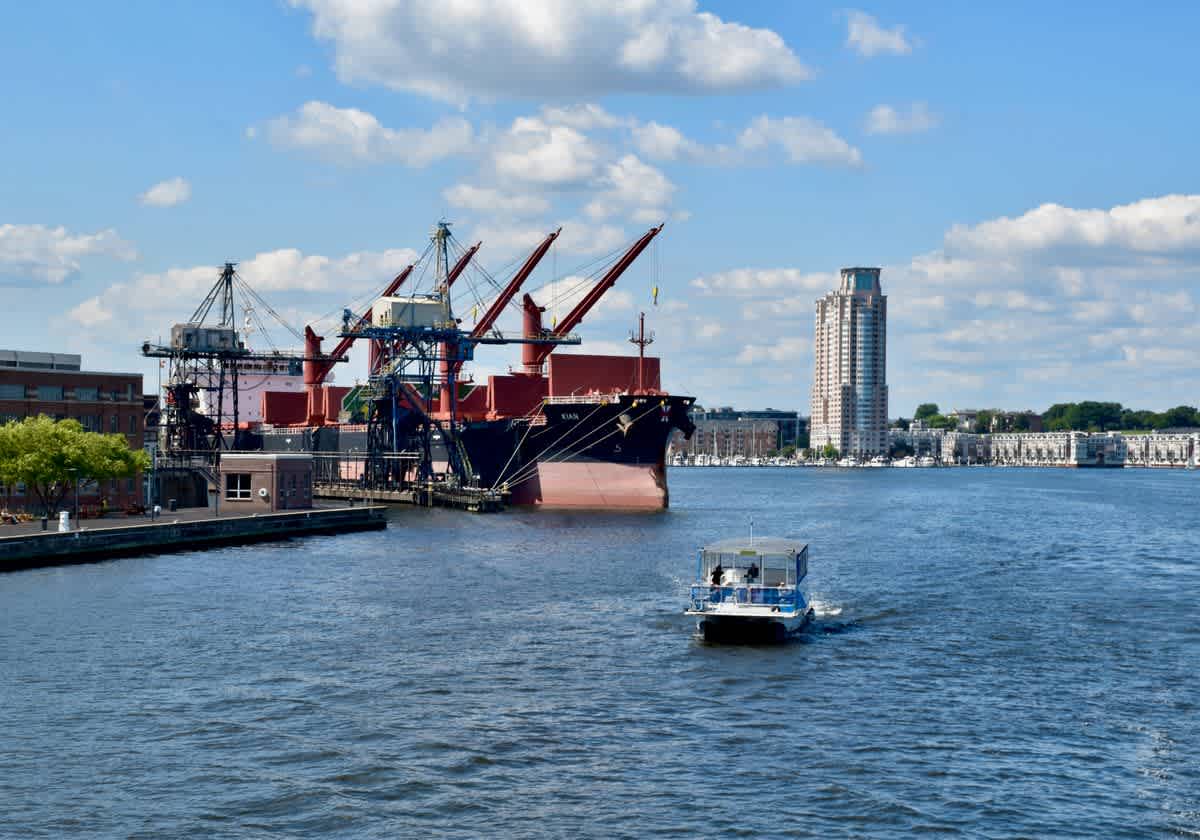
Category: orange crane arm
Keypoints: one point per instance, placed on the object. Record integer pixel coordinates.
(575, 316)
(514, 286)
(461, 264)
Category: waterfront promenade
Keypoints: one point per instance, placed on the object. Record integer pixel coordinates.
(26, 545)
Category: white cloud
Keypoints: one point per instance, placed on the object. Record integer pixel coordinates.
(866, 37)
(348, 135)
(664, 142)
(785, 350)
(488, 200)
(149, 303)
(536, 151)
(884, 119)
(1165, 226)
(51, 255)
(548, 48)
(634, 188)
(804, 140)
(167, 193)
(757, 281)
(706, 330)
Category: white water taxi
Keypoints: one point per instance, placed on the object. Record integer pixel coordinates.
(749, 590)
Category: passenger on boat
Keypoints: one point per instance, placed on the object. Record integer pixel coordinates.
(716, 574)
(752, 572)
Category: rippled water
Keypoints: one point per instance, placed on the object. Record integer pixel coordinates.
(997, 653)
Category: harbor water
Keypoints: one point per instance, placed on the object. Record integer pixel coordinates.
(996, 653)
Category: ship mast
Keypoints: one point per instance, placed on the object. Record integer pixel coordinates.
(641, 340)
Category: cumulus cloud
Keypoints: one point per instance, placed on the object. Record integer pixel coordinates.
(866, 37)
(539, 152)
(548, 48)
(167, 193)
(803, 140)
(149, 303)
(885, 119)
(1167, 226)
(348, 135)
(40, 254)
(785, 350)
(633, 188)
(757, 281)
(489, 200)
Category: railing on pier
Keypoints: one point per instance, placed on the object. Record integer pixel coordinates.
(359, 471)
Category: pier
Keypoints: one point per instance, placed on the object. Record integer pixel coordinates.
(26, 546)
(471, 499)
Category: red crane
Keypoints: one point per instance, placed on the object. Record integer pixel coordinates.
(495, 310)
(534, 355)
(316, 371)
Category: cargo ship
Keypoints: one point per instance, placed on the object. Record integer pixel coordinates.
(563, 430)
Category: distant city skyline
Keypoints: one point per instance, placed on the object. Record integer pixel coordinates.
(1036, 210)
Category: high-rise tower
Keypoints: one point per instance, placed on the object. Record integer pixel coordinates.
(849, 390)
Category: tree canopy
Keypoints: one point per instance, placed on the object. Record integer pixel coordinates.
(49, 456)
(925, 411)
(1111, 416)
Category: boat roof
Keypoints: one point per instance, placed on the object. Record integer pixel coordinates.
(759, 545)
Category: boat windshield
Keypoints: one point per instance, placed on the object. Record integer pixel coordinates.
(752, 566)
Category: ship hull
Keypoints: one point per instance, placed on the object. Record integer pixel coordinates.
(608, 453)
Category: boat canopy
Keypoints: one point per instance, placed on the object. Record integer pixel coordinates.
(775, 561)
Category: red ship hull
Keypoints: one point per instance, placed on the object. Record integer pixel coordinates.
(596, 485)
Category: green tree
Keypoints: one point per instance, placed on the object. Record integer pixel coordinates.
(983, 422)
(925, 411)
(49, 456)
(938, 421)
(829, 451)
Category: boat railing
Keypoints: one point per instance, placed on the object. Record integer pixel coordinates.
(584, 399)
(742, 593)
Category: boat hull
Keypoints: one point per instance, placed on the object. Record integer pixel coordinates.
(727, 629)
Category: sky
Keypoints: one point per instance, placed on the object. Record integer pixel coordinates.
(1024, 174)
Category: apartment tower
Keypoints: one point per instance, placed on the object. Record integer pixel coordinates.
(849, 391)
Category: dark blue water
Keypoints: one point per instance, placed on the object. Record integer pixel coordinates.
(997, 653)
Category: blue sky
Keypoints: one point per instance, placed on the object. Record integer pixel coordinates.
(1025, 176)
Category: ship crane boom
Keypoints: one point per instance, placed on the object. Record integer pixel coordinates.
(536, 355)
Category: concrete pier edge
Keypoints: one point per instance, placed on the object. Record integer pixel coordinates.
(52, 548)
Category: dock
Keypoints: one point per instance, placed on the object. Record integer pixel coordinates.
(26, 546)
(471, 499)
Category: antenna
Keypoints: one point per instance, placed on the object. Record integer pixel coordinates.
(752, 532)
(641, 340)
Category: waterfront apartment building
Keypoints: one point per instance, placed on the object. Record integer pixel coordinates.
(1058, 449)
(54, 384)
(849, 390)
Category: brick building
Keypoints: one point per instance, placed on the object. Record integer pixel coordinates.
(53, 384)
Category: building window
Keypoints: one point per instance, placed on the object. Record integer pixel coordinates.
(132, 424)
(114, 424)
(237, 486)
(87, 394)
(12, 392)
(50, 393)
